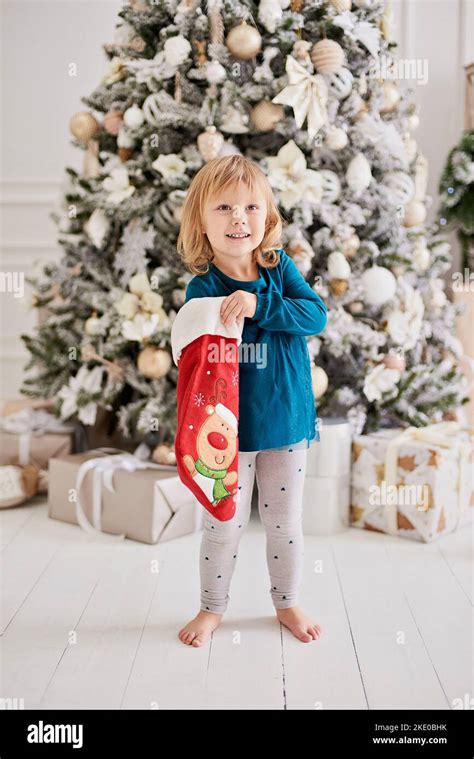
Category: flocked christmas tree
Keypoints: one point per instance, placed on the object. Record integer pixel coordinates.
(296, 87)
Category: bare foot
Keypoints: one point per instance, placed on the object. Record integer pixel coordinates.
(199, 630)
(299, 624)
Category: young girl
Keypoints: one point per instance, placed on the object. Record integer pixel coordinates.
(230, 239)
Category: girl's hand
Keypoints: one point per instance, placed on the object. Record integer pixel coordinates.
(238, 305)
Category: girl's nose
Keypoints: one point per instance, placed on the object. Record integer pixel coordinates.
(237, 212)
(217, 441)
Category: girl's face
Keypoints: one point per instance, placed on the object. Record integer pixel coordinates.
(234, 221)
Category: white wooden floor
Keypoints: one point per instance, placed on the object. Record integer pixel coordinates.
(92, 626)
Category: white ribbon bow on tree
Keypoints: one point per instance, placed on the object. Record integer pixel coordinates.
(307, 94)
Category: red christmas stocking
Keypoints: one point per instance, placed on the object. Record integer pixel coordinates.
(206, 442)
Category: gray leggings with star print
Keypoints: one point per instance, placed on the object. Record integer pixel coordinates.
(280, 479)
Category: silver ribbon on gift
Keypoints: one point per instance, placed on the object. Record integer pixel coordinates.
(103, 469)
(28, 422)
(445, 435)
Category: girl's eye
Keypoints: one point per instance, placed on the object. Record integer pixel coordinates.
(226, 207)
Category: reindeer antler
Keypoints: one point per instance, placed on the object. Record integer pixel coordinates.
(219, 389)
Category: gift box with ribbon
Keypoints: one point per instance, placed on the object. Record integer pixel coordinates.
(415, 482)
(113, 494)
(327, 485)
(34, 436)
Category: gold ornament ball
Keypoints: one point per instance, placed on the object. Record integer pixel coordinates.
(244, 41)
(394, 360)
(91, 327)
(415, 214)
(391, 97)
(125, 154)
(113, 121)
(327, 56)
(154, 362)
(356, 307)
(338, 286)
(351, 246)
(266, 115)
(319, 381)
(210, 143)
(341, 5)
(83, 126)
(163, 454)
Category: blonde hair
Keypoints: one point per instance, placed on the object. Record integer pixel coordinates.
(219, 173)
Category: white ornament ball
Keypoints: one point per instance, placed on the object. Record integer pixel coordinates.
(319, 381)
(379, 285)
(215, 72)
(176, 50)
(152, 109)
(270, 14)
(338, 266)
(401, 186)
(340, 83)
(331, 186)
(133, 117)
(358, 174)
(92, 325)
(336, 139)
(124, 139)
(415, 214)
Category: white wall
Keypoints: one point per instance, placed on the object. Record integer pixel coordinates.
(40, 39)
(39, 42)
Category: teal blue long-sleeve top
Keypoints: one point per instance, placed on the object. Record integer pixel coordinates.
(276, 402)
